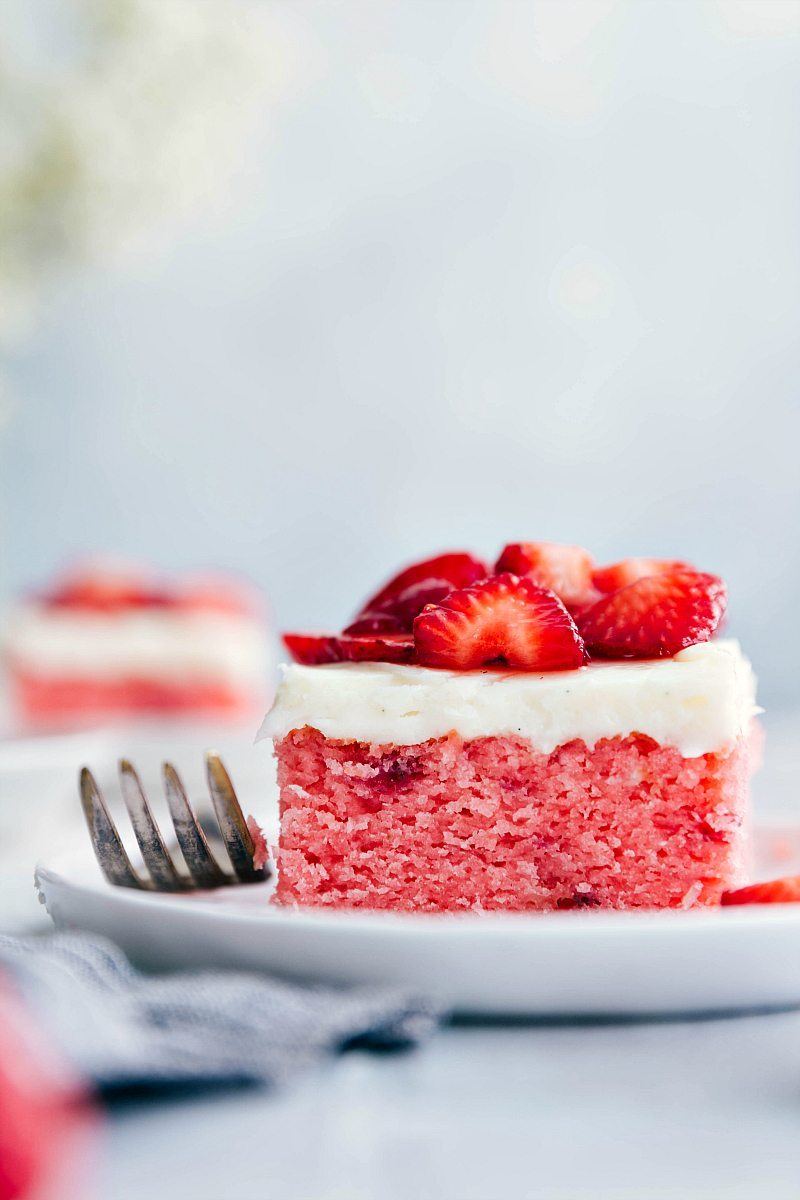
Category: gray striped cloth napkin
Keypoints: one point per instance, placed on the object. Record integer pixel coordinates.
(120, 1028)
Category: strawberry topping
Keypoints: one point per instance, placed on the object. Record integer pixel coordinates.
(102, 590)
(630, 570)
(543, 608)
(383, 647)
(656, 616)
(108, 594)
(314, 649)
(396, 605)
(375, 622)
(565, 570)
(503, 621)
(776, 891)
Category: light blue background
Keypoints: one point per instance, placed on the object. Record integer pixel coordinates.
(493, 271)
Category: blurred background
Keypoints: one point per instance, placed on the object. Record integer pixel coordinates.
(306, 290)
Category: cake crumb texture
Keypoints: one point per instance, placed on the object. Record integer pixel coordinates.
(492, 824)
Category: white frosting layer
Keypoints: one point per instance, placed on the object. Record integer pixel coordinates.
(698, 701)
(159, 644)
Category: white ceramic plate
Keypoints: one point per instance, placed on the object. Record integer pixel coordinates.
(570, 963)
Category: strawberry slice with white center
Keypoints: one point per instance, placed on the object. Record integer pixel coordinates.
(503, 621)
(775, 891)
(656, 616)
(619, 574)
(565, 570)
(396, 605)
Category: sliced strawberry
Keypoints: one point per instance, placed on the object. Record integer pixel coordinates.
(565, 570)
(458, 569)
(375, 622)
(312, 649)
(386, 647)
(504, 621)
(776, 891)
(579, 611)
(656, 616)
(316, 649)
(108, 594)
(630, 570)
(46, 1125)
(396, 605)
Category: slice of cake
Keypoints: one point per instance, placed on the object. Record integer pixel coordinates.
(513, 756)
(105, 644)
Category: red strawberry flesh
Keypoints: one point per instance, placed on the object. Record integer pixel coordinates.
(317, 649)
(619, 574)
(656, 616)
(375, 622)
(565, 570)
(399, 601)
(775, 891)
(47, 1127)
(388, 647)
(503, 621)
(109, 595)
(312, 649)
(105, 591)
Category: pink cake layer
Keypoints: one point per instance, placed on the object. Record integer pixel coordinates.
(46, 702)
(492, 824)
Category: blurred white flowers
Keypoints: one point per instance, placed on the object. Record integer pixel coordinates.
(117, 119)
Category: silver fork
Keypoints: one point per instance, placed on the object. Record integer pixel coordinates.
(164, 876)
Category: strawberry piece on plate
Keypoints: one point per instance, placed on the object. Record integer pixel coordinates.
(619, 574)
(503, 621)
(312, 649)
(565, 570)
(396, 605)
(656, 616)
(775, 891)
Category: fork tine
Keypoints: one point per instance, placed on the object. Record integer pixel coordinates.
(203, 867)
(108, 848)
(155, 854)
(233, 827)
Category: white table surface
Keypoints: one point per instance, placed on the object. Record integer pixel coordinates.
(700, 1108)
(705, 1109)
